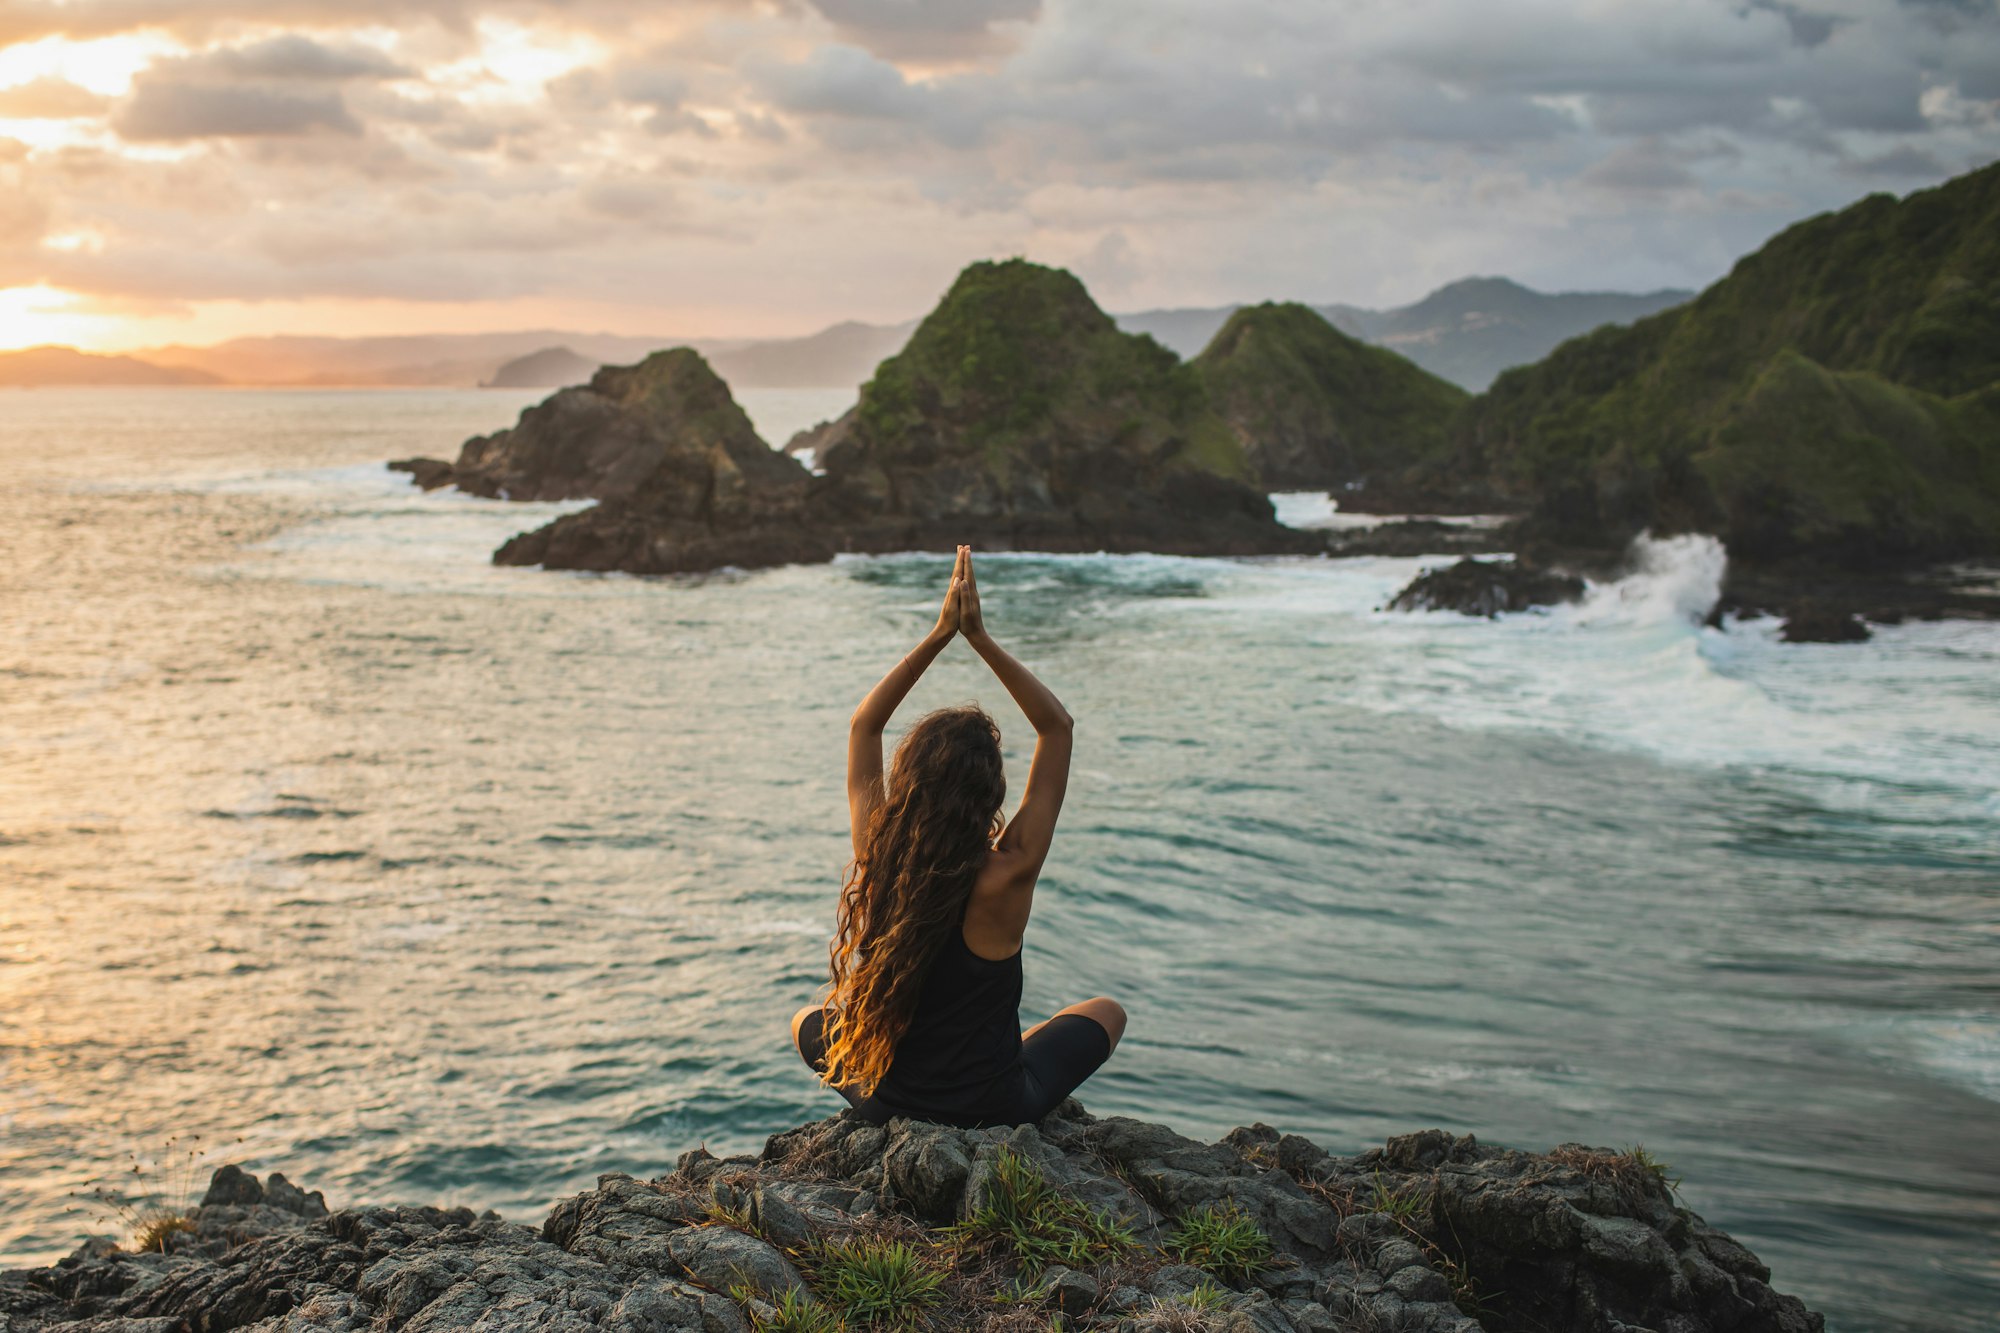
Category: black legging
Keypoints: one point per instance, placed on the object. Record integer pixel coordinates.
(1055, 1061)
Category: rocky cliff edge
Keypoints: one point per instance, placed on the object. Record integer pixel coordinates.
(1078, 1223)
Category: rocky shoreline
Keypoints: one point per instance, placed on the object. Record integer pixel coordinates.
(1815, 604)
(1078, 1223)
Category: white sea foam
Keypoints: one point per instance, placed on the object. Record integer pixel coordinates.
(1633, 667)
(1318, 510)
(1674, 580)
(1306, 509)
(1961, 1048)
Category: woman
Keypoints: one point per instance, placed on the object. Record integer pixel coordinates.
(923, 1017)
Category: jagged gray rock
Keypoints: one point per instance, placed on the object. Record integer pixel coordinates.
(1486, 588)
(1430, 1233)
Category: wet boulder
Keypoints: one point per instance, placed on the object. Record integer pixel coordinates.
(1487, 588)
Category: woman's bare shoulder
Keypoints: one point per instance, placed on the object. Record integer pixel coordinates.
(997, 916)
(1002, 874)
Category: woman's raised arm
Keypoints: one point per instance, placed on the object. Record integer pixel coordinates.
(864, 730)
(1025, 842)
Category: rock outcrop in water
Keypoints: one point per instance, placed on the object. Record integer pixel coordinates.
(1110, 1223)
(1486, 588)
(1018, 416)
(667, 423)
(1316, 410)
(684, 482)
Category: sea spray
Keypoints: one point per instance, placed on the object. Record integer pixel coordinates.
(1672, 580)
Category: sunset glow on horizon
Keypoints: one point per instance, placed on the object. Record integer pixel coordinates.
(727, 169)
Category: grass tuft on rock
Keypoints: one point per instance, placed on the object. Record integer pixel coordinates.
(1206, 1296)
(792, 1313)
(1224, 1240)
(1025, 1213)
(1634, 1174)
(156, 1230)
(875, 1282)
(1407, 1203)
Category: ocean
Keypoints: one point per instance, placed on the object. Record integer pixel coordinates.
(330, 848)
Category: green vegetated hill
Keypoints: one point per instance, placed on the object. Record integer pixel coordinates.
(1020, 414)
(1836, 396)
(1315, 409)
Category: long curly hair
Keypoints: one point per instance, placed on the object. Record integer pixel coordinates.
(907, 889)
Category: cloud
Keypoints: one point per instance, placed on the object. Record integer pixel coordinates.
(632, 199)
(1901, 162)
(161, 109)
(284, 85)
(50, 98)
(778, 159)
(24, 218)
(917, 29)
(845, 81)
(1808, 29)
(1111, 267)
(292, 56)
(1647, 167)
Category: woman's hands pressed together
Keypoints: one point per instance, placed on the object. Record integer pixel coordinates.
(960, 612)
(949, 616)
(967, 588)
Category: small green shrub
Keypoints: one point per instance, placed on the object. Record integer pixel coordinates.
(1205, 1296)
(1222, 1239)
(795, 1314)
(874, 1281)
(1042, 1225)
(1653, 1166)
(1020, 1292)
(1405, 1205)
(730, 1215)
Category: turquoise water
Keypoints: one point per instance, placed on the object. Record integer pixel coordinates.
(427, 880)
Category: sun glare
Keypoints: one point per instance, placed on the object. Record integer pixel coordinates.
(32, 316)
(513, 62)
(104, 65)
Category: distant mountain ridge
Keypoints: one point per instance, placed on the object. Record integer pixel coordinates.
(1465, 332)
(439, 359)
(550, 368)
(843, 354)
(53, 366)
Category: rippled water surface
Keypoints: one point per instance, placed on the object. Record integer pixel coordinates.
(431, 881)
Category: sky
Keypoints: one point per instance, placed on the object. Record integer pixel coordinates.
(196, 170)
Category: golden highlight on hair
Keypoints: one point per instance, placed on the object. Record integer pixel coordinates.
(907, 889)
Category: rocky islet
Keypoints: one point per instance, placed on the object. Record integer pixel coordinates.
(1828, 410)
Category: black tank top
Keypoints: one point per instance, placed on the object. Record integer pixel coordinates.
(961, 1057)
